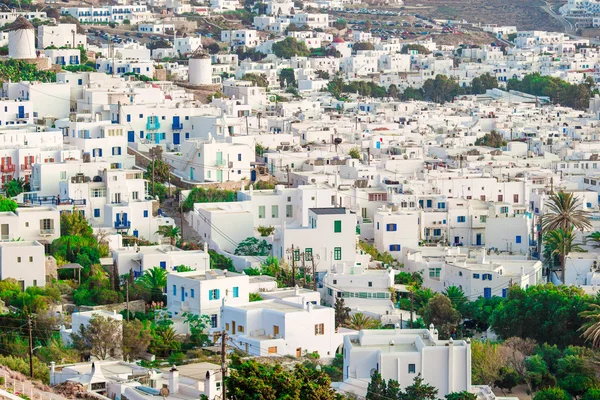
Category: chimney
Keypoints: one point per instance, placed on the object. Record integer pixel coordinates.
(174, 380)
(296, 290)
(205, 247)
(210, 385)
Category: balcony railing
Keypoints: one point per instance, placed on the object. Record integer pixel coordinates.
(26, 167)
(22, 115)
(4, 237)
(7, 168)
(122, 224)
(152, 126)
(47, 232)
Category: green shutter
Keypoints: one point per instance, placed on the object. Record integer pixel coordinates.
(337, 226)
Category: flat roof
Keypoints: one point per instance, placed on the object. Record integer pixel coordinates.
(329, 210)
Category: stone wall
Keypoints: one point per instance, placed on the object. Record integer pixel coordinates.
(134, 306)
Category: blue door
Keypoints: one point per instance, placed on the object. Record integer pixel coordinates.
(182, 294)
(377, 145)
(131, 136)
(478, 239)
(253, 176)
(21, 111)
(125, 219)
(487, 292)
(135, 233)
(163, 264)
(176, 139)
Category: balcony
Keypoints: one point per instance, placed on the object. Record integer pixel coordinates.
(25, 167)
(7, 168)
(22, 116)
(152, 125)
(122, 224)
(177, 126)
(47, 232)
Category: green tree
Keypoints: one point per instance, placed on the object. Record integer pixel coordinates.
(552, 394)
(360, 321)
(441, 89)
(198, 327)
(393, 91)
(202, 195)
(570, 95)
(419, 48)
(136, 338)
(253, 247)
(340, 24)
(363, 46)
(411, 93)
(576, 375)
(508, 379)
(592, 394)
(101, 338)
(594, 237)
(440, 312)
(14, 187)
(342, 313)
(7, 204)
(171, 232)
(290, 47)
(377, 388)
(487, 360)
(160, 169)
(251, 380)
(258, 79)
(354, 153)
(563, 211)
(533, 312)
(560, 243)
(456, 296)
(464, 395)
(287, 78)
(420, 391)
(155, 280)
(492, 139)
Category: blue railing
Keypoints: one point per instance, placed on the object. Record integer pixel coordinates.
(122, 224)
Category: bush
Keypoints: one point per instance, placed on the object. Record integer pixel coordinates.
(40, 371)
(265, 230)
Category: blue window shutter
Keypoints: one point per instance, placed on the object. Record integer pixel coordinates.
(518, 239)
(163, 264)
(504, 292)
(145, 213)
(192, 293)
(218, 294)
(210, 294)
(174, 290)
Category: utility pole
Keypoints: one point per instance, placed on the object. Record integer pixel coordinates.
(181, 216)
(30, 346)
(153, 156)
(127, 297)
(411, 309)
(293, 267)
(368, 156)
(223, 364)
(287, 169)
(246, 124)
(314, 272)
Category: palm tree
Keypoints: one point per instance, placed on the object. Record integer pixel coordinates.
(170, 231)
(456, 296)
(563, 213)
(342, 313)
(559, 242)
(595, 238)
(360, 321)
(591, 328)
(14, 187)
(154, 278)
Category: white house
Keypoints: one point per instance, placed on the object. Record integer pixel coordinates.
(61, 35)
(82, 319)
(24, 261)
(402, 354)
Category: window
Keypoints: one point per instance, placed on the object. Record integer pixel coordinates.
(236, 292)
(442, 205)
(239, 157)
(241, 329)
(483, 219)
(96, 213)
(174, 290)
(289, 212)
(518, 239)
(272, 350)
(391, 227)
(515, 198)
(145, 213)
(437, 232)
(475, 276)
(275, 211)
(214, 294)
(275, 330)
(18, 259)
(504, 291)
(30, 259)
(308, 254)
(213, 320)
(412, 368)
(503, 210)
(337, 253)
(135, 195)
(63, 174)
(261, 211)
(337, 226)
(192, 293)
(370, 284)
(163, 264)
(319, 329)
(394, 247)
(461, 218)
(435, 272)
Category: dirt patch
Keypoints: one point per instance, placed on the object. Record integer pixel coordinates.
(526, 15)
(468, 38)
